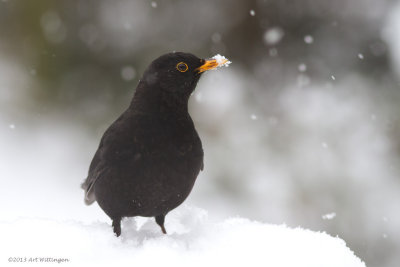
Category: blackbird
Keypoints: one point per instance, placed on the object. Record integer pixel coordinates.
(149, 158)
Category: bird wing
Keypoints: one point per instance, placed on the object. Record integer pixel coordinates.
(116, 138)
(95, 170)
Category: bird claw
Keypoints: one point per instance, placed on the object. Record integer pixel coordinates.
(116, 224)
(163, 230)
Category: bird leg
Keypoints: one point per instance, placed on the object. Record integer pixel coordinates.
(116, 224)
(160, 221)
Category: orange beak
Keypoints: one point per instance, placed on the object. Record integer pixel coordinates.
(211, 64)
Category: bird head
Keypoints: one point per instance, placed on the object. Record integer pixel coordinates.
(178, 72)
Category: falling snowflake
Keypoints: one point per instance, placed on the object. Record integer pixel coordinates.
(308, 39)
(329, 216)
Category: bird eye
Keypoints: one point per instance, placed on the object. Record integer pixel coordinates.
(182, 67)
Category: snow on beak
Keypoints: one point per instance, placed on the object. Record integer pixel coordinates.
(213, 63)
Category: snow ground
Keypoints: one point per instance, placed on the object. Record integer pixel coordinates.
(193, 240)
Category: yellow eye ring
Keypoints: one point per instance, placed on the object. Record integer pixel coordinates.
(182, 67)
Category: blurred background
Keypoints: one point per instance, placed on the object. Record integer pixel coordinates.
(303, 128)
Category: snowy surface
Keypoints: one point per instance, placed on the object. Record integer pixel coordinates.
(221, 60)
(193, 240)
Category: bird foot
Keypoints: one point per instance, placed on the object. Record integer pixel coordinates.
(116, 224)
(160, 221)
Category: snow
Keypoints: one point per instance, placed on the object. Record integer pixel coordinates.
(252, 13)
(273, 52)
(329, 216)
(324, 145)
(53, 27)
(308, 39)
(216, 37)
(193, 240)
(128, 73)
(253, 117)
(302, 67)
(221, 60)
(273, 36)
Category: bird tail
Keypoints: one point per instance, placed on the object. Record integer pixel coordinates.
(89, 194)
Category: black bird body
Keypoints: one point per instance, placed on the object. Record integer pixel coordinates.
(148, 159)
